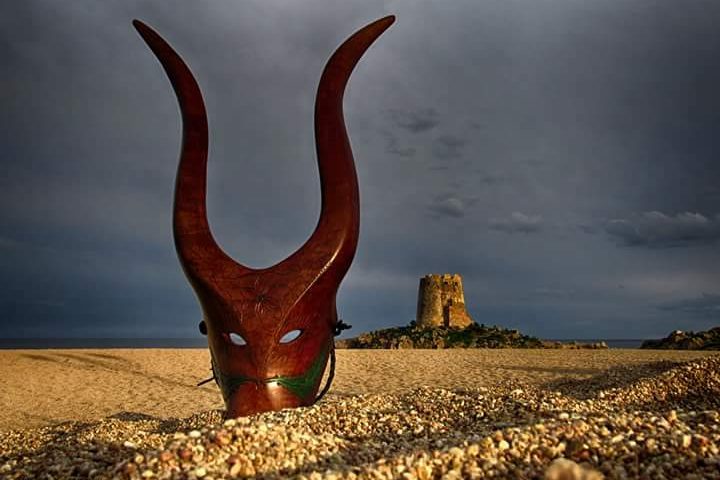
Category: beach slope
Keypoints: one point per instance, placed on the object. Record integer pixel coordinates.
(390, 414)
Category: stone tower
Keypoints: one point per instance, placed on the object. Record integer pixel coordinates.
(441, 302)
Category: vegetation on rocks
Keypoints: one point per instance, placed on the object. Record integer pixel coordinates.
(679, 340)
(474, 336)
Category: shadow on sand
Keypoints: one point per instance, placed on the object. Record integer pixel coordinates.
(91, 361)
(614, 377)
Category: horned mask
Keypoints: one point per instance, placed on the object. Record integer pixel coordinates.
(271, 330)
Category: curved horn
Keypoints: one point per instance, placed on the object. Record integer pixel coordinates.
(334, 241)
(198, 252)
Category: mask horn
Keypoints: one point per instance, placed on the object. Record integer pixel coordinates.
(332, 245)
(200, 256)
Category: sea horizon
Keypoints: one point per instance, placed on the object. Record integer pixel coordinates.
(201, 342)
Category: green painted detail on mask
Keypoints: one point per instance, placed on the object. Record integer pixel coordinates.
(303, 385)
(227, 383)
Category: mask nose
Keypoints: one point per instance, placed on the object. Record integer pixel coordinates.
(260, 396)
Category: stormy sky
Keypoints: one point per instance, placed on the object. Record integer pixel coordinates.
(561, 156)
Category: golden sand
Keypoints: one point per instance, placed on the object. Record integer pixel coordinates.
(449, 414)
(45, 387)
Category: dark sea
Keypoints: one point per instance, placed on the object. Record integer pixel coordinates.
(8, 343)
(200, 342)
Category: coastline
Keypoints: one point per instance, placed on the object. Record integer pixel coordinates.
(201, 342)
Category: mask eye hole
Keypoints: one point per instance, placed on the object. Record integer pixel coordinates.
(237, 339)
(290, 336)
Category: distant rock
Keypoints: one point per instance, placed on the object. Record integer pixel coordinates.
(473, 336)
(679, 340)
(574, 345)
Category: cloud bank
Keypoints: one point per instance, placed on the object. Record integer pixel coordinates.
(707, 305)
(656, 229)
(517, 223)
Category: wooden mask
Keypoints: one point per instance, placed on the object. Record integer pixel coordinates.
(271, 330)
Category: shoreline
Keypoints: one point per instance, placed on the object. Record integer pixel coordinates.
(81, 345)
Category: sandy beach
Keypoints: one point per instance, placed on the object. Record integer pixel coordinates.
(136, 413)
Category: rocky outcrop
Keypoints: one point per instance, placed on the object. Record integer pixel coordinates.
(574, 345)
(413, 336)
(474, 336)
(441, 302)
(679, 340)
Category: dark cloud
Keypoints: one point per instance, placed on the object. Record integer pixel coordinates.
(415, 121)
(491, 180)
(707, 305)
(573, 111)
(400, 152)
(656, 229)
(8, 243)
(588, 228)
(552, 292)
(517, 223)
(448, 146)
(392, 147)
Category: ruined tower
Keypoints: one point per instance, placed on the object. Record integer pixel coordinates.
(441, 302)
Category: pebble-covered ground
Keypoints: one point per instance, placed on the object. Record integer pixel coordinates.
(653, 420)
